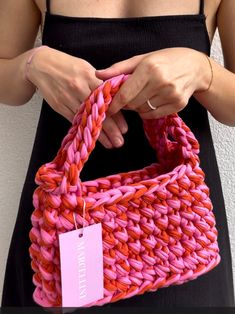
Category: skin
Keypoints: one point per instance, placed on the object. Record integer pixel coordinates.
(65, 81)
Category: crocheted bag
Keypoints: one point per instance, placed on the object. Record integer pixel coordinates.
(158, 227)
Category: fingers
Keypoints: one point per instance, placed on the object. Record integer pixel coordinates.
(129, 90)
(120, 121)
(112, 130)
(161, 111)
(139, 103)
(104, 140)
(159, 97)
(124, 66)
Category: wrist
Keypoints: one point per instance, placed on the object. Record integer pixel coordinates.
(32, 63)
(204, 73)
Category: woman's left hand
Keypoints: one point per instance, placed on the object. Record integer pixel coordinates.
(167, 77)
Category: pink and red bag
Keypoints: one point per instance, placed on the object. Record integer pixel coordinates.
(158, 225)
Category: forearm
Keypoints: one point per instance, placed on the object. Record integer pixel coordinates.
(14, 89)
(219, 100)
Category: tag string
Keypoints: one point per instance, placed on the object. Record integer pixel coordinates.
(83, 216)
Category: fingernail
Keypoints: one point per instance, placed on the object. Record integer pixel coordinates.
(118, 141)
(108, 145)
(124, 129)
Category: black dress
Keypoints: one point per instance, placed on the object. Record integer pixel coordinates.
(103, 41)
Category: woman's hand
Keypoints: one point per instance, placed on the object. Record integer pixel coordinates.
(113, 128)
(65, 81)
(166, 77)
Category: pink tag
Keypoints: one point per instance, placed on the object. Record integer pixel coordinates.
(81, 261)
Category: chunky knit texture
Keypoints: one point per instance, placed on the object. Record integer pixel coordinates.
(158, 226)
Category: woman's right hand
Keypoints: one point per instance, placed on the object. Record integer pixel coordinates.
(65, 81)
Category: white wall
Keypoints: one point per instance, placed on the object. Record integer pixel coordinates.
(17, 131)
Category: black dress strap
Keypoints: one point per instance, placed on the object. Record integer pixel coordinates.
(48, 5)
(201, 11)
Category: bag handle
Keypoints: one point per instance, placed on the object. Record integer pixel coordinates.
(172, 140)
(62, 173)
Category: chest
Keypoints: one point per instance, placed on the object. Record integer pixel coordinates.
(132, 8)
(121, 8)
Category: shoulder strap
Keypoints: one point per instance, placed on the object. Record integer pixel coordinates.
(48, 6)
(201, 11)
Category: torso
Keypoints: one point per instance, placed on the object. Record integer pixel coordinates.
(131, 8)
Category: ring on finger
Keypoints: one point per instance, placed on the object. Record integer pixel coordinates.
(150, 105)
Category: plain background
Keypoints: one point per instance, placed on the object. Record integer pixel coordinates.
(17, 132)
